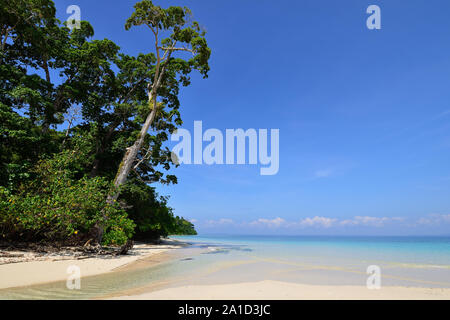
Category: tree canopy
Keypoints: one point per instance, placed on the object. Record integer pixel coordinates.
(71, 108)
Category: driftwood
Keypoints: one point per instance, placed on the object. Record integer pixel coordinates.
(10, 252)
(10, 255)
(127, 246)
(87, 242)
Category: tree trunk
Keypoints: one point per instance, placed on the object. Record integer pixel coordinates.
(132, 152)
(126, 165)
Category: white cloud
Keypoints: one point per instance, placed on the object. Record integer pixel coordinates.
(369, 221)
(220, 222)
(434, 219)
(325, 222)
(277, 222)
(306, 222)
(443, 114)
(317, 221)
(324, 173)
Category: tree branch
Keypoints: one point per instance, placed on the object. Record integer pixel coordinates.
(145, 157)
(178, 49)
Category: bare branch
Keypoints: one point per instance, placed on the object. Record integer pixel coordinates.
(169, 53)
(124, 99)
(178, 49)
(151, 28)
(145, 157)
(72, 116)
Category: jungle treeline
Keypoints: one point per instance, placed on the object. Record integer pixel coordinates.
(71, 109)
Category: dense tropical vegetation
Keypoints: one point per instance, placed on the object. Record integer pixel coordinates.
(83, 124)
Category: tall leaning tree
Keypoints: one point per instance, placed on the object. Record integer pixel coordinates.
(179, 48)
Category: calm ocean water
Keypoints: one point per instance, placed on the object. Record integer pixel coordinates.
(404, 261)
(411, 250)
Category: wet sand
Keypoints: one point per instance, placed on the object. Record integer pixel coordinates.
(276, 290)
(39, 272)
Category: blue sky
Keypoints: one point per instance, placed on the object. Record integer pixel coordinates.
(364, 115)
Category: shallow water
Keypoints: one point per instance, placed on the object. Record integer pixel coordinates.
(405, 261)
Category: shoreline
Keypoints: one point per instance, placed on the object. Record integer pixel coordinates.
(144, 255)
(50, 270)
(278, 290)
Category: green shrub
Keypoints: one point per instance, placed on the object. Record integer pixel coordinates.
(57, 207)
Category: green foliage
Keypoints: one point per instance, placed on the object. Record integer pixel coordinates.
(183, 227)
(153, 217)
(56, 206)
(54, 183)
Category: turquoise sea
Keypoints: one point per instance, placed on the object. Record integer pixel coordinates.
(218, 259)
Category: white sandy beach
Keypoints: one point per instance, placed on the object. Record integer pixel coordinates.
(39, 272)
(51, 270)
(276, 290)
